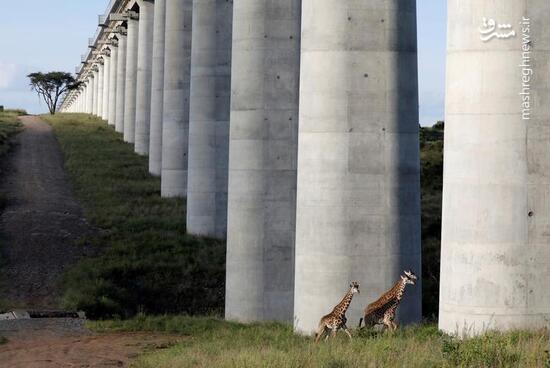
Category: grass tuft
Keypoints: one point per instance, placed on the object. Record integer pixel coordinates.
(147, 263)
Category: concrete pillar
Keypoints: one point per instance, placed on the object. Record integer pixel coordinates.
(495, 258)
(106, 80)
(100, 74)
(209, 118)
(358, 196)
(144, 76)
(157, 90)
(90, 94)
(262, 160)
(121, 83)
(95, 80)
(131, 77)
(113, 84)
(175, 129)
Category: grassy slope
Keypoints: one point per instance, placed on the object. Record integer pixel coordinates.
(9, 126)
(209, 342)
(149, 264)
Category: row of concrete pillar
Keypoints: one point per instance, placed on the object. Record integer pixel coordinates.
(292, 127)
(288, 130)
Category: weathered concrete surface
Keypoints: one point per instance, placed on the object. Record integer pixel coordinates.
(121, 84)
(175, 126)
(157, 92)
(144, 76)
(106, 83)
(112, 86)
(95, 90)
(209, 118)
(262, 160)
(130, 85)
(358, 197)
(100, 73)
(90, 95)
(41, 221)
(495, 258)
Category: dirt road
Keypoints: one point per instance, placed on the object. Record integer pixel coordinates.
(41, 222)
(40, 225)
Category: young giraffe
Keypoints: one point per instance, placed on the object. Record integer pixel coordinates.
(336, 319)
(383, 310)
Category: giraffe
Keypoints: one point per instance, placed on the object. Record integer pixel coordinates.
(336, 319)
(383, 310)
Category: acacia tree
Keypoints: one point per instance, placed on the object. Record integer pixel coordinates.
(51, 86)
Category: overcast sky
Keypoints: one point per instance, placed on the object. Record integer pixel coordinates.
(51, 35)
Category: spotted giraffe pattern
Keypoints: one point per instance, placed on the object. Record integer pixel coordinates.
(336, 319)
(382, 311)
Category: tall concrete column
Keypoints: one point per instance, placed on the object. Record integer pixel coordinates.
(131, 77)
(358, 195)
(262, 160)
(106, 80)
(100, 73)
(95, 90)
(144, 76)
(157, 90)
(209, 118)
(177, 68)
(113, 84)
(120, 83)
(495, 254)
(90, 94)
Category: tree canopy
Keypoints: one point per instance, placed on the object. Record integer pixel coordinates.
(51, 86)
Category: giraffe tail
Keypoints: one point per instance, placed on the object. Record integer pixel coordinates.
(360, 321)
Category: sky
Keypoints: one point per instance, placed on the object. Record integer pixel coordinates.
(51, 35)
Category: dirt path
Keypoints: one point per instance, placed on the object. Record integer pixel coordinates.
(109, 350)
(41, 222)
(40, 225)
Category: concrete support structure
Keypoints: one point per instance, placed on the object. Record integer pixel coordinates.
(144, 76)
(495, 258)
(106, 80)
(358, 194)
(209, 118)
(157, 90)
(175, 129)
(95, 90)
(262, 160)
(100, 74)
(90, 94)
(113, 84)
(120, 83)
(131, 77)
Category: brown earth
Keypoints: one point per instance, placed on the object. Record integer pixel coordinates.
(91, 351)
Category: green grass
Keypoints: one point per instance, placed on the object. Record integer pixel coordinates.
(147, 261)
(9, 125)
(209, 342)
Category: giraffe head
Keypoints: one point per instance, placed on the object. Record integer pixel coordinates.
(354, 287)
(409, 277)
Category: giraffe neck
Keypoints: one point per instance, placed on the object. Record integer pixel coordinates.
(343, 306)
(400, 289)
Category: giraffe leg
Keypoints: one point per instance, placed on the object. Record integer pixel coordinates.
(320, 332)
(333, 334)
(346, 330)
